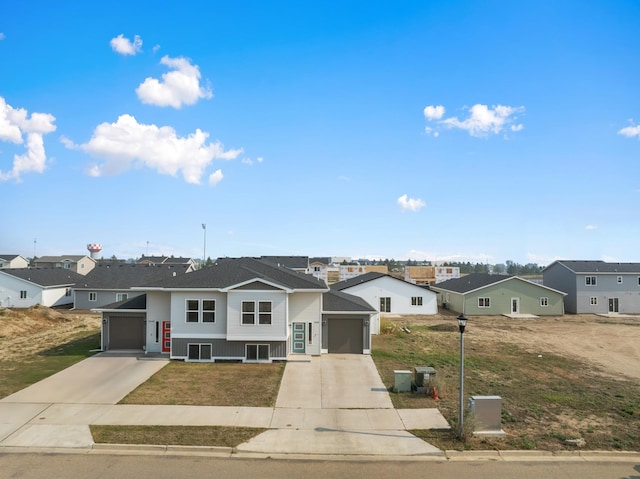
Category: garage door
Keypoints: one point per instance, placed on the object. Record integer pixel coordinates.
(126, 332)
(345, 336)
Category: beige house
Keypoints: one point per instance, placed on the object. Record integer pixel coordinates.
(81, 264)
(13, 261)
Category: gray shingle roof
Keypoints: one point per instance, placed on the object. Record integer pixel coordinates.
(226, 272)
(8, 257)
(471, 282)
(126, 275)
(46, 276)
(293, 262)
(337, 301)
(137, 302)
(57, 259)
(363, 278)
(600, 267)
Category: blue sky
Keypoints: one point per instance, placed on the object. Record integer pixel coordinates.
(437, 130)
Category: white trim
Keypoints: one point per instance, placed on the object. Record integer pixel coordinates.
(197, 336)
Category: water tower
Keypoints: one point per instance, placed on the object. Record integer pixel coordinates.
(95, 249)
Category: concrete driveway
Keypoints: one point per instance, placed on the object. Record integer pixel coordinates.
(102, 379)
(333, 381)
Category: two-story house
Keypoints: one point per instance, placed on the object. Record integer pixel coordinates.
(596, 286)
(81, 264)
(241, 309)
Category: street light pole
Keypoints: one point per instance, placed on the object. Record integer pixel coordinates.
(462, 322)
(204, 248)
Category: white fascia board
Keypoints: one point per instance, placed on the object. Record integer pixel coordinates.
(259, 280)
(198, 336)
(100, 310)
(370, 313)
(236, 337)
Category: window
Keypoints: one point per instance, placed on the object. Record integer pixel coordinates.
(257, 352)
(590, 280)
(121, 296)
(264, 309)
(316, 269)
(484, 302)
(67, 265)
(385, 305)
(619, 279)
(593, 300)
(199, 352)
(67, 292)
(208, 310)
(192, 310)
(544, 301)
(23, 294)
(310, 336)
(248, 312)
(416, 301)
(93, 296)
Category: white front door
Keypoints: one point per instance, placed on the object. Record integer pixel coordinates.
(515, 305)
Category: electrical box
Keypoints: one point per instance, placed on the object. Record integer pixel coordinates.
(423, 375)
(487, 414)
(402, 383)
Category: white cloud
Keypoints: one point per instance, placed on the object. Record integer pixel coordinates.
(630, 131)
(179, 87)
(249, 161)
(433, 112)
(410, 204)
(446, 257)
(542, 259)
(127, 143)
(2, 37)
(14, 125)
(482, 120)
(591, 227)
(215, 177)
(124, 46)
(155, 48)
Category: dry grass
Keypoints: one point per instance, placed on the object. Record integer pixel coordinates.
(174, 435)
(545, 400)
(211, 384)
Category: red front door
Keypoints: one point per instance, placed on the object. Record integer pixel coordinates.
(166, 336)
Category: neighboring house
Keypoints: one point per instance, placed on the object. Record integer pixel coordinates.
(319, 268)
(13, 261)
(26, 287)
(493, 294)
(430, 274)
(239, 309)
(81, 264)
(168, 260)
(596, 286)
(389, 295)
(112, 282)
(348, 271)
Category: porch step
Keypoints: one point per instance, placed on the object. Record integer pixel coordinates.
(299, 358)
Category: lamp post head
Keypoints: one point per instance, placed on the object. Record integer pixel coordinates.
(462, 322)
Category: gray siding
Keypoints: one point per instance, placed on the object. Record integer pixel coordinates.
(104, 297)
(223, 349)
(559, 277)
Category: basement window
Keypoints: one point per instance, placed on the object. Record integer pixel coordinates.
(199, 352)
(257, 352)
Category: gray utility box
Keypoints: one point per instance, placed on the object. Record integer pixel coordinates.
(423, 375)
(402, 382)
(487, 413)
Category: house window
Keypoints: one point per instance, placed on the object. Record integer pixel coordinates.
(310, 335)
(257, 352)
(67, 292)
(544, 301)
(416, 301)
(619, 279)
(93, 296)
(208, 310)
(484, 302)
(264, 316)
(593, 300)
(248, 312)
(121, 296)
(67, 266)
(385, 305)
(23, 294)
(199, 352)
(590, 280)
(192, 310)
(316, 269)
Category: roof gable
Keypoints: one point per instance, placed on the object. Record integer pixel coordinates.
(337, 301)
(45, 277)
(598, 266)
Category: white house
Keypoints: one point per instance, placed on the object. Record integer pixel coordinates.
(26, 287)
(13, 261)
(390, 295)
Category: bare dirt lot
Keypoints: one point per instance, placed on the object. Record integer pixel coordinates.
(25, 332)
(611, 344)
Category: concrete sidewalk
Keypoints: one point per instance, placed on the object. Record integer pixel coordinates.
(333, 405)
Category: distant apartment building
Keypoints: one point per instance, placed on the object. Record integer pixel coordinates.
(426, 275)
